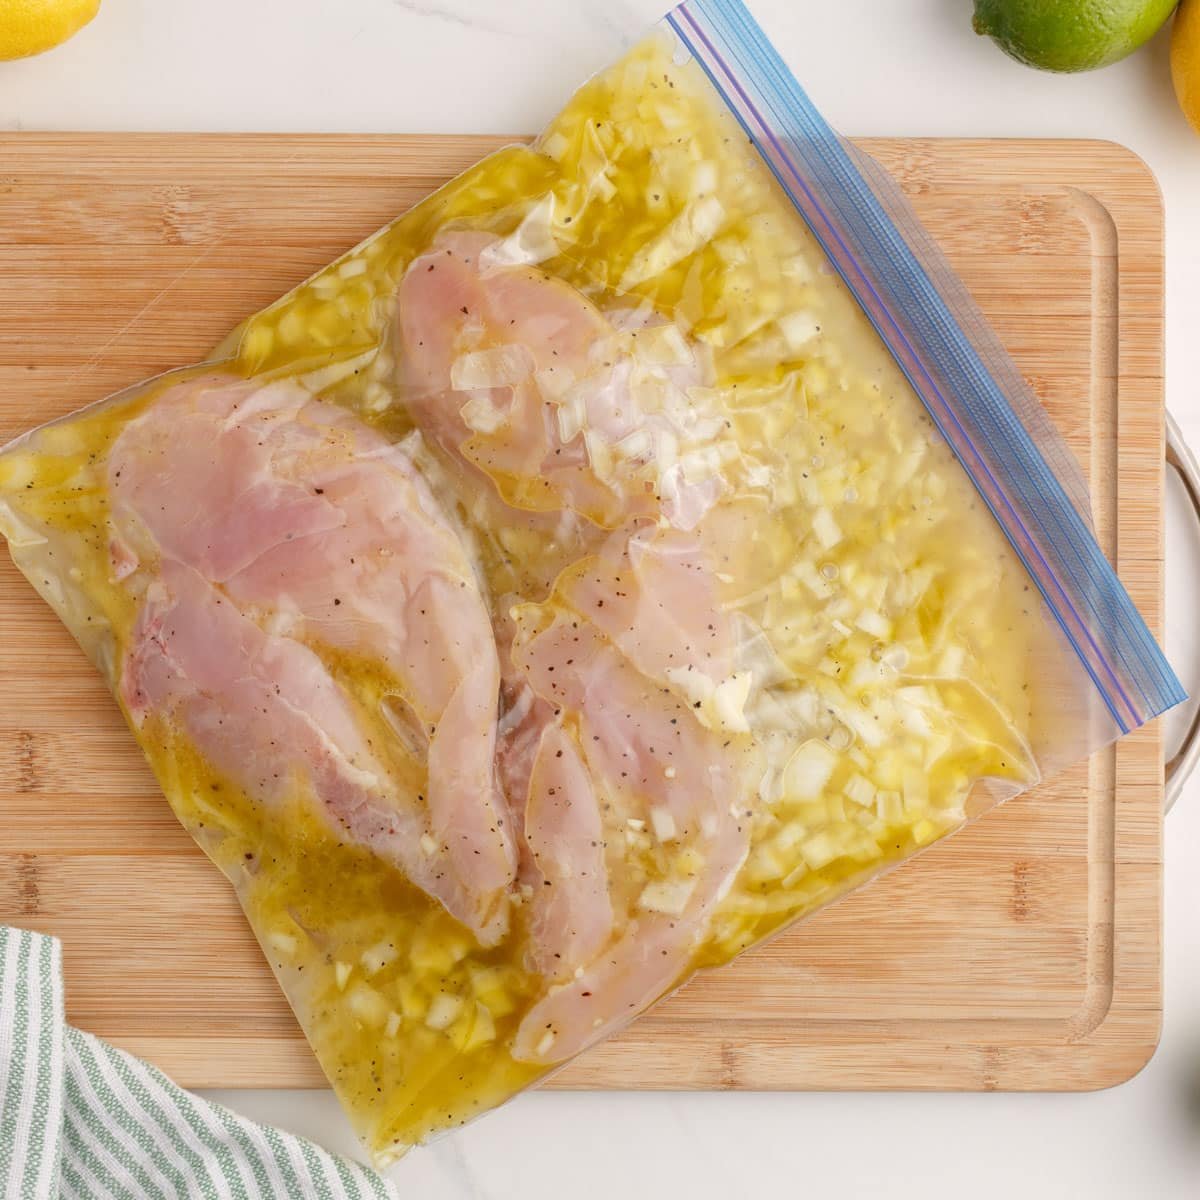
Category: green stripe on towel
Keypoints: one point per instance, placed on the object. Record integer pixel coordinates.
(81, 1120)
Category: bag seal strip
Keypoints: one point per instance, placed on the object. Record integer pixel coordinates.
(963, 379)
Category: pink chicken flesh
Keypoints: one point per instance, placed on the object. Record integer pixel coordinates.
(572, 916)
(653, 594)
(523, 377)
(286, 528)
(652, 766)
(596, 741)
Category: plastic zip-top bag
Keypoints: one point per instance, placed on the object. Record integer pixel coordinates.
(629, 550)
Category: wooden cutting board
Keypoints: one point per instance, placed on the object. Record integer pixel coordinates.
(1022, 953)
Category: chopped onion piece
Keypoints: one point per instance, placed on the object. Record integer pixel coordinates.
(554, 146)
(913, 718)
(696, 687)
(667, 896)
(483, 415)
(757, 655)
(637, 444)
(571, 416)
(531, 242)
(890, 807)
(601, 184)
(663, 824)
(874, 623)
(687, 233)
(864, 723)
(729, 701)
(803, 705)
(499, 366)
(367, 1004)
(764, 864)
(599, 454)
(376, 957)
(860, 789)
(376, 397)
(790, 880)
(935, 748)
(758, 475)
(701, 429)
(443, 1008)
(866, 673)
(326, 285)
(663, 345)
(916, 791)
(820, 850)
(951, 662)
(826, 528)
(555, 382)
(809, 770)
(704, 178)
(335, 372)
(797, 268)
(701, 464)
(818, 585)
(484, 1027)
(924, 831)
(799, 329)
(667, 450)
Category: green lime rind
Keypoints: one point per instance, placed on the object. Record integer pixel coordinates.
(1070, 35)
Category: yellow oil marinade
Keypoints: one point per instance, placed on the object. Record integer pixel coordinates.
(892, 673)
(404, 1011)
(360, 951)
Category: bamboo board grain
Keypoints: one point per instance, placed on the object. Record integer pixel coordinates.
(1022, 953)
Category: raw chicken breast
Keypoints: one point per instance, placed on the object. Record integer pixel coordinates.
(653, 593)
(263, 709)
(599, 734)
(668, 795)
(571, 913)
(676, 786)
(562, 407)
(321, 534)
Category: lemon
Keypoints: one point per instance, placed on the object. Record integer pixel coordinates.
(1070, 35)
(31, 26)
(1185, 59)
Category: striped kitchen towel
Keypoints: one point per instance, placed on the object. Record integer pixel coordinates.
(81, 1119)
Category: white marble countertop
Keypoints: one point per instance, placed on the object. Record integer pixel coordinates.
(896, 67)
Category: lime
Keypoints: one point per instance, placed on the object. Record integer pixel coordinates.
(1070, 35)
(31, 26)
(1185, 59)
